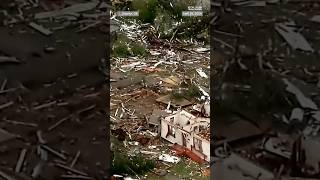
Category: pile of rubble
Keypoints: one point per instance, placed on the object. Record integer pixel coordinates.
(57, 15)
(160, 103)
(292, 153)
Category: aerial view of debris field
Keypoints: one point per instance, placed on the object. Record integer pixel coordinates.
(160, 102)
(52, 102)
(266, 83)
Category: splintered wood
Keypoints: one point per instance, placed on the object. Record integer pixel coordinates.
(5, 135)
(293, 38)
(76, 8)
(21, 160)
(45, 105)
(40, 28)
(75, 159)
(58, 123)
(47, 148)
(71, 169)
(20, 123)
(5, 105)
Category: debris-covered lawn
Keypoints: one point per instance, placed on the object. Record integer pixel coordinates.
(266, 104)
(158, 77)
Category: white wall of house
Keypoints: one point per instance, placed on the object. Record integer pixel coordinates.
(164, 131)
(190, 144)
(205, 147)
(179, 123)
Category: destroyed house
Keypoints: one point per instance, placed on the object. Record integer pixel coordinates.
(189, 131)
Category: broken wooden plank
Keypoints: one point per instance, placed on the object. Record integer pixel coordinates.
(89, 108)
(310, 148)
(297, 178)
(271, 145)
(43, 154)
(47, 148)
(227, 33)
(303, 1)
(90, 26)
(76, 8)
(37, 169)
(315, 18)
(40, 28)
(174, 102)
(226, 172)
(204, 92)
(20, 123)
(273, 1)
(201, 73)
(5, 135)
(8, 90)
(293, 38)
(279, 173)
(40, 138)
(231, 134)
(297, 114)
(5, 105)
(149, 152)
(6, 176)
(74, 161)
(247, 167)
(4, 84)
(224, 43)
(251, 3)
(301, 98)
(316, 115)
(105, 5)
(6, 59)
(58, 123)
(21, 160)
(92, 95)
(75, 177)
(94, 15)
(45, 105)
(71, 169)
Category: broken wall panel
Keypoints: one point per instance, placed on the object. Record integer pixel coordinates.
(205, 148)
(186, 129)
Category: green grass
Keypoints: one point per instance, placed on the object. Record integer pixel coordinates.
(120, 46)
(181, 169)
(124, 47)
(188, 170)
(165, 24)
(147, 9)
(136, 165)
(125, 165)
(138, 49)
(189, 92)
(193, 91)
